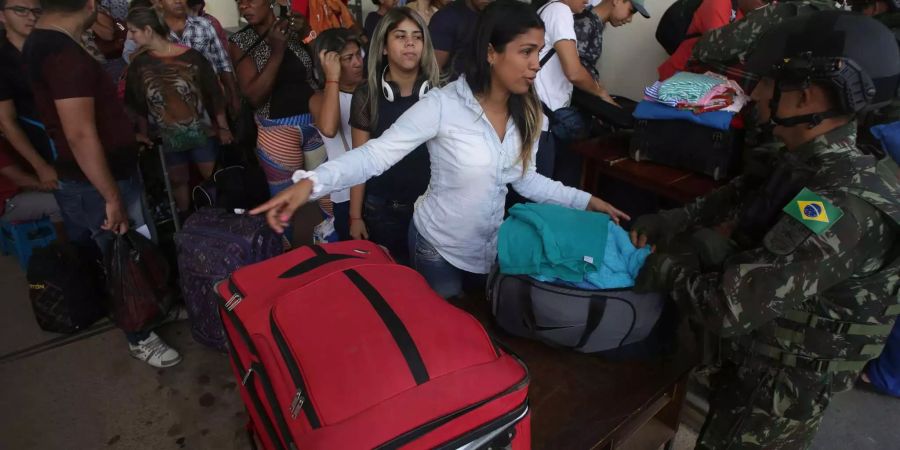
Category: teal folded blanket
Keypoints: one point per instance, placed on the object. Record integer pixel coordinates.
(620, 267)
(552, 241)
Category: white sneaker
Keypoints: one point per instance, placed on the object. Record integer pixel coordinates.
(155, 352)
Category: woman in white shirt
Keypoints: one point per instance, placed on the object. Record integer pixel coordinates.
(481, 132)
(339, 66)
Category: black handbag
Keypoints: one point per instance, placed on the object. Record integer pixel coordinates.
(65, 287)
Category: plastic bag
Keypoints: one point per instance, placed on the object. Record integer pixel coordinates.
(137, 280)
(324, 232)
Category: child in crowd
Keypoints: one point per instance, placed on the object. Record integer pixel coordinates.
(589, 25)
(481, 132)
(176, 88)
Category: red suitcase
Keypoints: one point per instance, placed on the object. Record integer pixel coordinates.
(336, 347)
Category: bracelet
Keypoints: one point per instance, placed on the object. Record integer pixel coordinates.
(331, 81)
(356, 218)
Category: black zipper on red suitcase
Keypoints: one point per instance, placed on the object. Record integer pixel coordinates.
(254, 397)
(264, 379)
(426, 428)
(300, 400)
(488, 428)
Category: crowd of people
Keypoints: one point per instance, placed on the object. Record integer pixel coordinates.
(412, 134)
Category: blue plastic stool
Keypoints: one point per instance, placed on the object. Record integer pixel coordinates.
(22, 238)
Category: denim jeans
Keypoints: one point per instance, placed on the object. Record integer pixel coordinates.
(84, 211)
(206, 153)
(567, 165)
(342, 220)
(545, 160)
(443, 277)
(388, 224)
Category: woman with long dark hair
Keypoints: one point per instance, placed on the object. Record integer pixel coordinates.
(481, 132)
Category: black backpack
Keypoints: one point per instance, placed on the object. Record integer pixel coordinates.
(232, 187)
(674, 23)
(65, 286)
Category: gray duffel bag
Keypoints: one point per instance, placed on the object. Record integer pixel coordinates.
(587, 321)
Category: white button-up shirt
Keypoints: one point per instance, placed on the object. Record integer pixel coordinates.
(461, 211)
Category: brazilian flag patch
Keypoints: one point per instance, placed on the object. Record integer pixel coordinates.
(813, 211)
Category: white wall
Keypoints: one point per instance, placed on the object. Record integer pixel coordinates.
(631, 54)
(224, 10)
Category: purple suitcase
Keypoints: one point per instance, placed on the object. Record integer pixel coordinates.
(212, 244)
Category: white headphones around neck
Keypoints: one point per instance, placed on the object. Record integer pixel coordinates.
(391, 90)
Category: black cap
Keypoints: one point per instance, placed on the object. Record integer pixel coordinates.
(858, 55)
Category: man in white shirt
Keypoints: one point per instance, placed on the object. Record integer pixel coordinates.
(561, 69)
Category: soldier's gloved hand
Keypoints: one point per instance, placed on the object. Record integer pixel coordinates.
(648, 229)
(712, 247)
(660, 269)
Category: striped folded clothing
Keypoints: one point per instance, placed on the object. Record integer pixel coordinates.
(688, 87)
(698, 93)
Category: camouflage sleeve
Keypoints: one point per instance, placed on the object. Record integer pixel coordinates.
(706, 210)
(730, 44)
(758, 285)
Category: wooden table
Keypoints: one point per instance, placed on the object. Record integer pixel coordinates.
(608, 156)
(584, 402)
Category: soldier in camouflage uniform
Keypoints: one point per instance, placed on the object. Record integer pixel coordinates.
(808, 284)
(726, 48)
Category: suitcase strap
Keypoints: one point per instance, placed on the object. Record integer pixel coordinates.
(394, 325)
(596, 308)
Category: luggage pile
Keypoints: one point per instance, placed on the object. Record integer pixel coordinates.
(688, 122)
